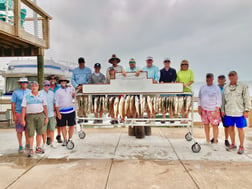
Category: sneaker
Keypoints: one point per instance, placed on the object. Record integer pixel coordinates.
(48, 140)
(39, 150)
(231, 147)
(112, 122)
(20, 149)
(163, 121)
(212, 141)
(58, 138)
(30, 153)
(240, 150)
(227, 143)
(53, 145)
(64, 143)
(27, 147)
(207, 143)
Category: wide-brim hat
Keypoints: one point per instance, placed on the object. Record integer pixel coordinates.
(62, 78)
(23, 80)
(114, 57)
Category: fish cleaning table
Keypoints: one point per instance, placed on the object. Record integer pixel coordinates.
(127, 99)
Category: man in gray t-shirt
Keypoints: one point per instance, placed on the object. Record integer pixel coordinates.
(97, 78)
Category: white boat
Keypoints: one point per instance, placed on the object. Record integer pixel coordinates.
(28, 68)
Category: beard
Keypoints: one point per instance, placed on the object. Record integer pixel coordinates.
(52, 82)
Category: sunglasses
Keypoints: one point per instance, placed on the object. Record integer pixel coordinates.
(24, 82)
(132, 62)
(166, 61)
(52, 78)
(46, 85)
(184, 64)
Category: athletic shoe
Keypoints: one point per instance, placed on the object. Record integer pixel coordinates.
(212, 141)
(240, 150)
(39, 150)
(163, 121)
(112, 122)
(64, 143)
(53, 145)
(30, 153)
(20, 149)
(48, 140)
(231, 147)
(27, 147)
(58, 138)
(207, 143)
(227, 143)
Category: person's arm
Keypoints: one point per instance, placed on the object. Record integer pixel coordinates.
(13, 111)
(23, 113)
(199, 102)
(73, 81)
(192, 80)
(174, 76)
(88, 74)
(90, 79)
(58, 112)
(156, 76)
(103, 79)
(46, 114)
(161, 77)
(246, 100)
(223, 102)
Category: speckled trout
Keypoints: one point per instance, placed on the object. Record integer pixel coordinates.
(121, 108)
(137, 105)
(116, 103)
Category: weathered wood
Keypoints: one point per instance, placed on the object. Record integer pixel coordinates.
(147, 130)
(45, 28)
(40, 62)
(131, 131)
(139, 131)
(250, 118)
(17, 26)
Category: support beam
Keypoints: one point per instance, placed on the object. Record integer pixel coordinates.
(17, 26)
(40, 63)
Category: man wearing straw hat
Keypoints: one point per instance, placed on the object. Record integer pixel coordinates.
(114, 60)
(65, 109)
(16, 109)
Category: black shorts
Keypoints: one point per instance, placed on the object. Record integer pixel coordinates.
(222, 120)
(66, 119)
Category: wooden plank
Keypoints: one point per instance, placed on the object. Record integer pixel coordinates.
(45, 27)
(36, 9)
(17, 26)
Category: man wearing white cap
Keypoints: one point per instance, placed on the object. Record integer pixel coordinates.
(16, 108)
(152, 70)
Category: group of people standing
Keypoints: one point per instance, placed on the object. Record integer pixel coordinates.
(41, 111)
(228, 103)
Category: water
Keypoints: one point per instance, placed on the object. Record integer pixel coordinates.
(198, 84)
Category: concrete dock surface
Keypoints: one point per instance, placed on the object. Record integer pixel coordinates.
(110, 159)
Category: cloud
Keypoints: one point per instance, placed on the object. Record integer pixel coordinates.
(213, 35)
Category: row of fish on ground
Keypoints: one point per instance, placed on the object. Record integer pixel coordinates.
(132, 105)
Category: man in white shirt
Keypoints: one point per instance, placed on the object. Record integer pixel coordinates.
(209, 104)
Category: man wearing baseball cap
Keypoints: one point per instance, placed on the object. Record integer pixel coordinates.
(80, 74)
(152, 70)
(132, 66)
(16, 109)
(34, 115)
(97, 78)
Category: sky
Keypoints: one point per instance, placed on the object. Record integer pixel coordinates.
(213, 35)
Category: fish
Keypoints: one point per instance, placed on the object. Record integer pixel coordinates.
(188, 103)
(163, 104)
(96, 101)
(116, 102)
(106, 105)
(149, 103)
(85, 105)
(121, 108)
(126, 106)
(111, 105)
(137, 105)
(160, 104)
(142, 105)
(132, 106)
(180, 104)
(170, 104)
(89, 104)
(175, 104)
(101, 103)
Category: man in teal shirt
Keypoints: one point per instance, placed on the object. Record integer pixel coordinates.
(132, 66)
(152, 70)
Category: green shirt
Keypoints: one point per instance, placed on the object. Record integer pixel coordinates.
(185, 76)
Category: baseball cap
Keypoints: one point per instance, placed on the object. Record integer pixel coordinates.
(232, 73)
(46, 82)
(167, 59)
(209, 75)
(149, 58)
(221, 77)
(81, 60)
(34, 83)
(132, 61)
(97, 65)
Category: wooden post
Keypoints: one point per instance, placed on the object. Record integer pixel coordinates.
(17, 5)
(139, 131)
(250, 118)
(40, 65)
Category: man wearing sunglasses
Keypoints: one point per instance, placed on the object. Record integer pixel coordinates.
(16, 109)
(50, 126)
(235, 107)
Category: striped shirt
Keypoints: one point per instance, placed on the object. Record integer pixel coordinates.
(64, 100)
(34, 104)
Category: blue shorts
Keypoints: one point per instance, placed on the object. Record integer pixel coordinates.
(239, 122)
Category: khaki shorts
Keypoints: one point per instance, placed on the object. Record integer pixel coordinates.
(51, 124)
(35, 122)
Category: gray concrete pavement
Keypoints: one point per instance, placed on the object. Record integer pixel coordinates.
(110, 159)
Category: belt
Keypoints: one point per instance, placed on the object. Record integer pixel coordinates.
(35, 113)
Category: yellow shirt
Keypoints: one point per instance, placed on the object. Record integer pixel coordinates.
(185, 76)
